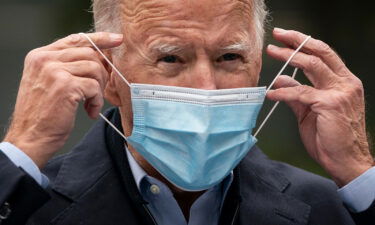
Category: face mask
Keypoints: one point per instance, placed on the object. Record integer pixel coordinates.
(193, 137)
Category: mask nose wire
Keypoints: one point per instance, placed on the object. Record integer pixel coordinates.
(117, 72)
(274, 80)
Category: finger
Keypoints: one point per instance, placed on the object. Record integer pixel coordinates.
(103, 40)
(88, 69)
(284, 81)
(92, 94)
(315, 70)
(79, 53)
(314, 47)
(303, 94)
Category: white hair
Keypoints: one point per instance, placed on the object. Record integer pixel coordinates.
(107, 17)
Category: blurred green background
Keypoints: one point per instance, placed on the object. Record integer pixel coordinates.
(347, 25)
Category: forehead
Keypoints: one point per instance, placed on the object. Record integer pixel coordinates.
(206, 21)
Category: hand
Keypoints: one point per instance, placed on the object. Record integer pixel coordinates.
(55, 79)
(331, 114)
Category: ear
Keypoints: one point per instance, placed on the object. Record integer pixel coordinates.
(110, 93)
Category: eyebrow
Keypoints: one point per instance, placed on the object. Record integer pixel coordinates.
(240, 46)
(166, 48)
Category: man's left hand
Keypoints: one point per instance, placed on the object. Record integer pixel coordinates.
(331, 113)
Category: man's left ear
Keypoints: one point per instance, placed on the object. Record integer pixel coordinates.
(110, 93)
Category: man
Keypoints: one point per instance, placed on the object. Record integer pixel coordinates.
(193, 44)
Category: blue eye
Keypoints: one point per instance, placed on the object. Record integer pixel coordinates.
(229, 57)
(169, 59)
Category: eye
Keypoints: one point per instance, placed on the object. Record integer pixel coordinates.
(229, 57)
(169, 59)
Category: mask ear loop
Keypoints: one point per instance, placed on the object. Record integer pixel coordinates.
(105, 58)
(273, 108)
(117, 72)
(274, 80)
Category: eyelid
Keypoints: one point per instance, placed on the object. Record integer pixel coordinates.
(179, 59)
(240, 57)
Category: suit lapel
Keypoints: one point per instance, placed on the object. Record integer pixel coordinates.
(267, 206)
(98, 166)
(262, 192)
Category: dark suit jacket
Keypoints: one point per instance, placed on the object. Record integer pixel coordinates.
(93, 184)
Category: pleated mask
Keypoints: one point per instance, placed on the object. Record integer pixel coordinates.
(192, 137)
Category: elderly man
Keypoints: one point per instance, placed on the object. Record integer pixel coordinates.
(185, 100)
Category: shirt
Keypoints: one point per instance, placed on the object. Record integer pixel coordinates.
(164, 207)
(358, 195)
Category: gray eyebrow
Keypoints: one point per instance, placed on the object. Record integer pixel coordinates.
(237, 47)
(166, 48)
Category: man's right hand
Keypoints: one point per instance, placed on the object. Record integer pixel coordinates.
(55, 79)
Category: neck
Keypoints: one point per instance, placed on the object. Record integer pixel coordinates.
(185, 199)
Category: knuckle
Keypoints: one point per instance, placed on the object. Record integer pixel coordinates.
(36, 58)
(304, 92)
(357, 82)
(314, 62)
(49, 69)
(90, 52)
(54, 73)
(94, 66)
(62, 81)
(342, 70)
(93, 84)
(303, 89)
(74, 38)
(324, 48)
(356, 86)
(51, 72)
(31, 55)
(61, 77)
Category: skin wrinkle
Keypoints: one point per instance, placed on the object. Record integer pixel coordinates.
(181, 17)
(202, 31)
(186, 27)
(240, 39)
(132, 8)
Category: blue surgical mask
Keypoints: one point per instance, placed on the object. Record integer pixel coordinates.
(192, 137)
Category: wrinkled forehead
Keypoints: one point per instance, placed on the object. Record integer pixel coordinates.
(143, 18)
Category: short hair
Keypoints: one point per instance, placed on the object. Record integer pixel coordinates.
(107, 14)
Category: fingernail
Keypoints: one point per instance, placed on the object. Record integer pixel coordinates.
(272, 47)
(279, 30)
(115, 37)
(74, 38)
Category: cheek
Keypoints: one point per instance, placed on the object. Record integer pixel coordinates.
(247, 75)
(238, 80)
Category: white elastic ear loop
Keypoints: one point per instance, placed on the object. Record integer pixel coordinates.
(273, 108)
(117, 72)
(106, 59)
(274, 80)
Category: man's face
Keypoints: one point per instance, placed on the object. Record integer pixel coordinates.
(206, 44)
